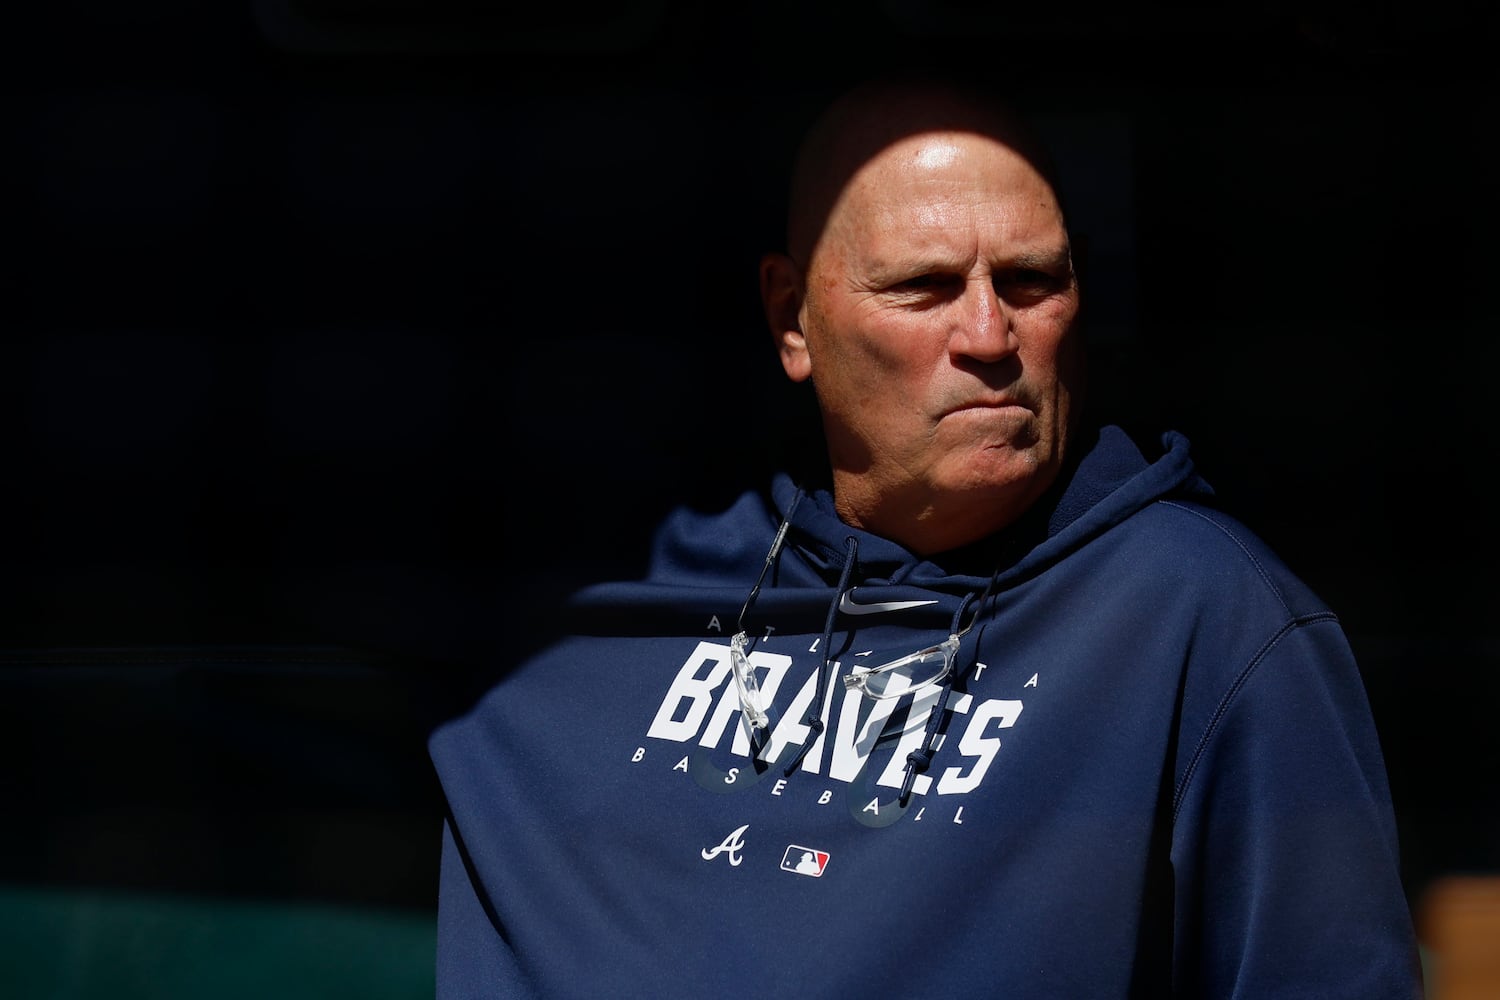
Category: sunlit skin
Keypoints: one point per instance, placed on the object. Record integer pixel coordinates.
(935, 318)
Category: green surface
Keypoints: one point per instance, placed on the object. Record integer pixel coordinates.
(60, 945)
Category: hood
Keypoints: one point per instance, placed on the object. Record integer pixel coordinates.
(1113, 478)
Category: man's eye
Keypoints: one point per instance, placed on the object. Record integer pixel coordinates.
(926, 283)
(1029, 283)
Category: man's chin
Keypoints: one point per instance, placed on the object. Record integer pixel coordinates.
(999, 474)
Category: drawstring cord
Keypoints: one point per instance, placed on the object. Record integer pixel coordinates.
(813, 719)
(919, 760)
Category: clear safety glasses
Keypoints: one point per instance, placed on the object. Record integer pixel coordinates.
(751, 703)
(906, 674)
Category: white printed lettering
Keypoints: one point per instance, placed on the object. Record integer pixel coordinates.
(1031, 683)
(713, 623)
(974, 743)
(851, 744)
(696, 692)
(702, 702)
(958, 817)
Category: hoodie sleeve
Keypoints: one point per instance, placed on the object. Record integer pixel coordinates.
(1284, 844)
(472, 960)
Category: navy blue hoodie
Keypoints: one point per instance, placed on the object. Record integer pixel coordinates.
(1152, 771)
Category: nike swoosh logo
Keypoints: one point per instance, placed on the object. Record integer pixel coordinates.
(848, 607)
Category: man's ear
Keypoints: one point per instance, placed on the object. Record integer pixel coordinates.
(781, 293)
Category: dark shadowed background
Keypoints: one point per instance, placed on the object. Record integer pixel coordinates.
(343, 337)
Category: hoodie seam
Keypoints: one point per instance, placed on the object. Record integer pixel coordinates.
(1227, 701)
(1260, 568)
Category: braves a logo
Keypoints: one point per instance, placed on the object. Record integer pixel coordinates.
(731, 845)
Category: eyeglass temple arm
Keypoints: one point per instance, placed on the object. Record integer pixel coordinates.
(775, 550)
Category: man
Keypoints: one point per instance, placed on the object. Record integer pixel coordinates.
(1003, 707)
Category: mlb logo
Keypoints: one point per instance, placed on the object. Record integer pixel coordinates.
(804, 861)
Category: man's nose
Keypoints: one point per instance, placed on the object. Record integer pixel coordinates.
(983, 330)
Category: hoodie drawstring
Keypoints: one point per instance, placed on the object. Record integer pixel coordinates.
(920, 759)
(813, 720)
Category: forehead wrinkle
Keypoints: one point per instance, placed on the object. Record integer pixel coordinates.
(947, 248)
(893, 239)
(891, 216)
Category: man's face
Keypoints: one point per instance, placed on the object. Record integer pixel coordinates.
(936, 324)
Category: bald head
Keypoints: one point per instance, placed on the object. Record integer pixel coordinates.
(875, 115)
